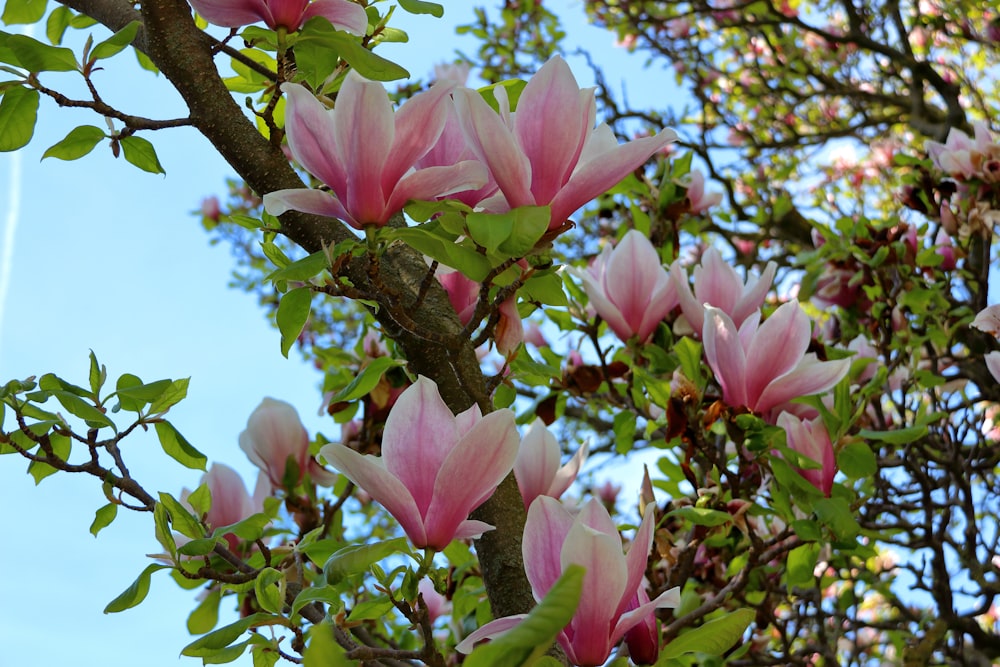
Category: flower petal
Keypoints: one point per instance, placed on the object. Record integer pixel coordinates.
(369, 473)
(436, 182)
(776, 348)
(470, 474)
(309, 127)
(418, 125)
(725, 355)
(537, 462)
(342, 14)
(231, 13)
(667, 600)
(809, 377)
(364, 127)
(316, 202)
(545, 531)
(419, 434)
(491, 630)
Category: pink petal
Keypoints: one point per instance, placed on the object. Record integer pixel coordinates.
(692, 308)
(436, 182)
(285, 13)
(667, 600)
(809, 377)
(550, 127)
(992, 360)
(545, 531)
(471, 529)
(369, 473)
(716, 283)
(754, 293)
(364, 127)
(344, 15)
(309, 127)
(567, 473)
(418, 125)
(603, 172)
(537, 462)
(470, 474)
(491, 630)
(725, 355)
(637, 557)
(777, 347)
(316, 202)
(632, 275)
(231, 13)
(988, 320)
(419, 434)
(492, 141)
(603, 586)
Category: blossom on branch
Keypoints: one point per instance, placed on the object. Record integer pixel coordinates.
(435, 467)
(367, 154)
(629, 288)
(716, 283)
(230, 501)
(764, 366)
(537, 468)
(549, 153)
(274, 438)
(610, 604)
(811, 439)
(288, 14)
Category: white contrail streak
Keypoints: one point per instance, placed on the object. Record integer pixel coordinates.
(10, 225)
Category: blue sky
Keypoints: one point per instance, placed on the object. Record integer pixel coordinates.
(104, 257)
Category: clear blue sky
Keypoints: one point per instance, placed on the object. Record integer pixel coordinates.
(109, 258)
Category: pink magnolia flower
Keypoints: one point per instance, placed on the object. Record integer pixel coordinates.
(643, 640)
(629, 288)
(717, 284)
(549, 152)
(274, 436)
(437, 605)
(537, 468)
(288, 14)
(962, 156)
(988, 320)
(230, 501)
(554, 539)
(435, 467)
(452, 148)
(811, 439)
(463, 293)
(700, 200)
(366, 153)
(992, 360)
(763, 366)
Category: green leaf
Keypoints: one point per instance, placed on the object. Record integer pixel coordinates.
(292, 315)
(268, 586)
(702, 516)
(78, 407)
(223, 637)
(135, 593)
(23, 11)
(18, 112)
(425, 239)
(56, 24)
(900, 436)
(116, 43)
(545, 287)
(369, 609)
(200, 500)
(624, 429)
(103, 518)
(689, 354)
(857, 461)
(98, 375)
(801, 564)
(302, 270)
(174, 393)
(133, 394)
(530, 224)
(318, 36)
(61, 448)
(141, 153)
(366, 379)
(514, 87)
(531, 638)
(356, 559)
(714, 637)
(323, 650)
(206, 615)
(421, 7)
(199, 547)
(36, 56)
(181, 519)
(328, 594)
(178, 448)
(489, 230)
(836, 514)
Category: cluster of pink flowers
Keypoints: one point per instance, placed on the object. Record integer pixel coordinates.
(448, 140)
(973, 163)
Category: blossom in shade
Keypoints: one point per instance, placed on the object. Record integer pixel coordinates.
(230, 501)
(699, 200)
(549, 152)
(717, 284)
(610, 604)
(436, 604)
(629, 288)
(288, 14)
(811, 439)
(275, 436)
(366, 153)
(435, 467)
(763, 366)
(643, 640)
(537, 468)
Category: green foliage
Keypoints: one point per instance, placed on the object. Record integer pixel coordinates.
(141, 153)
(18, 111)
(292, 315)
(79, 142)
(357, 559)
(23, 11)
(134, 594)
(178, 448)
(715, 637)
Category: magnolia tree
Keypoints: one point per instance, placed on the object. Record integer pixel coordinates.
(494, 285)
